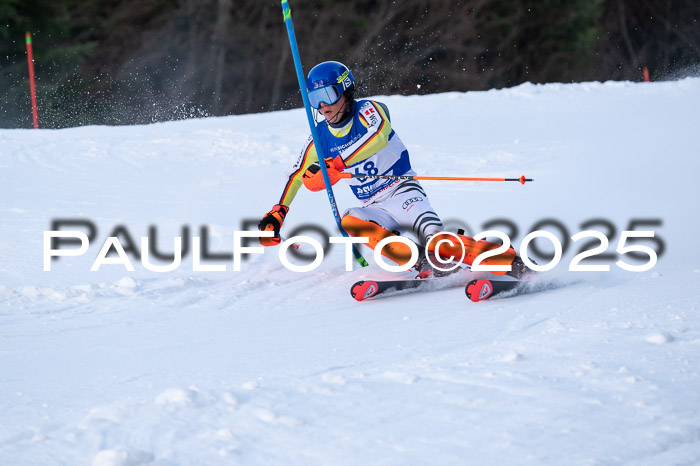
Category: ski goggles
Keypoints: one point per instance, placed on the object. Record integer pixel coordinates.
(325, 95)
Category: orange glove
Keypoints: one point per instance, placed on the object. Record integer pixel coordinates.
(313, 178)
(272, 221)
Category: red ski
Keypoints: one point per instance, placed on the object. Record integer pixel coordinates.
(367, 289)
(482, 289)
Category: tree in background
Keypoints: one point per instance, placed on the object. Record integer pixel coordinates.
(139, 61)
(60, 84)
(663, 35)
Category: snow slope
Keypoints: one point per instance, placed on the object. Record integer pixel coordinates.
(268, 366)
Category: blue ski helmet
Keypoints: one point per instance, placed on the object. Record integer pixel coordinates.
(327, 81)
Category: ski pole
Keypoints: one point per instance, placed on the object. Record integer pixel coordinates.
(522, 179)
(312, 125)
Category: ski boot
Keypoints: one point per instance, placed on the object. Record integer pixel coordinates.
(426, 270)
(519, 270)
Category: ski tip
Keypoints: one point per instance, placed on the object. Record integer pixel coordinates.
(364, 290)
(478, 290)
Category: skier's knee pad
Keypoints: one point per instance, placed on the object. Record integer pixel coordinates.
(397, 252)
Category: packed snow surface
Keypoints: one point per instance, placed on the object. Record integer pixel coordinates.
(269, 366)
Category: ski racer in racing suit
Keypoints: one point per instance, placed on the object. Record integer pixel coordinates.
(357, 137)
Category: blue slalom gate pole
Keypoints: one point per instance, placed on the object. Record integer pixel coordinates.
(312, 124)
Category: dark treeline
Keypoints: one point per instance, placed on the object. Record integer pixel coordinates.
(136, 61)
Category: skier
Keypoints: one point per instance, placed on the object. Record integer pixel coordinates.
(357, 137)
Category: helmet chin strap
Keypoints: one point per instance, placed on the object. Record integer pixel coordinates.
(343, 110)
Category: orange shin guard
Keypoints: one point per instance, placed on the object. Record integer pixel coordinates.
(397, 252)
(471, 249)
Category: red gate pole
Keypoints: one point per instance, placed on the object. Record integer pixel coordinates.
(32, 85)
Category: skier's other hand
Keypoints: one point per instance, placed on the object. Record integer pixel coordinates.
(313, 178)
(272, 221)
